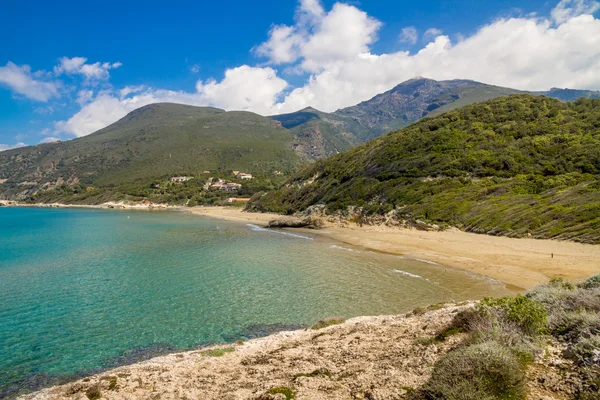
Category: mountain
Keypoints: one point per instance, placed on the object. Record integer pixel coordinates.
(399, 107)
(518, 165)
(159, 140)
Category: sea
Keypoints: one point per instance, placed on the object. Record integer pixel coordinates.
(85, 290)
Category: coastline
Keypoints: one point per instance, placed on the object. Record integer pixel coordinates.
(285, 359)
(520, 264)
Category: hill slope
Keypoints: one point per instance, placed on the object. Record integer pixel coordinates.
(519, 165)
(403, 105)
(155, 141)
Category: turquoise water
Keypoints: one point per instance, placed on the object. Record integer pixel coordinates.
(82, 290)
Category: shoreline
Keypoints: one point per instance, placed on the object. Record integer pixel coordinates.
(520, 264)
(247, 370)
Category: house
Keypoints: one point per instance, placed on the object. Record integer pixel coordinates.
(180, 179)
(226, 186)
(242, 175)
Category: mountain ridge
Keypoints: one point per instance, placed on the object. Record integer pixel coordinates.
(521, 165)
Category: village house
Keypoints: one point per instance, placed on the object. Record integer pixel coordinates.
(181, 179)
(242, 175)
(226, 186)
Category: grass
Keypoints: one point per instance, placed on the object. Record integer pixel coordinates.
(218, 352)
(328, 322)
(286, 391)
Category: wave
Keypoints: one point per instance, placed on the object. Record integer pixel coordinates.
(259, 229)
(333, 246)
(399, 271)
(418, 259)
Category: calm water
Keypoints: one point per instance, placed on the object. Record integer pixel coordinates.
(82, 290)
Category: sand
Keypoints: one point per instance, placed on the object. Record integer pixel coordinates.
(519, 263)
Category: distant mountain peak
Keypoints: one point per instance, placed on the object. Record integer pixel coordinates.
(309, 109)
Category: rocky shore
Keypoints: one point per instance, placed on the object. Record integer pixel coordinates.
(377, 358)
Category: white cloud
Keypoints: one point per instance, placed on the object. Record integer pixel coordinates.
(243, 88)
(409, 35)
(50, 140)
(568, 9)
(4, 147)
(320, 37)
(432, 33)
(333, 51)
(512, 52)
(195, 68)
(21, 80)
(78, 65)
(84, 96)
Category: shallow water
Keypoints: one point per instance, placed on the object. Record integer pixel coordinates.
(86, 289)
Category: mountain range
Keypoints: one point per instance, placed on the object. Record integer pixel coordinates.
(162, 140)
(322, 134)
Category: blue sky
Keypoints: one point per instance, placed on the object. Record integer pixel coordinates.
(63, 68)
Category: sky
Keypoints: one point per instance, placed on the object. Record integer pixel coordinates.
(68, 69)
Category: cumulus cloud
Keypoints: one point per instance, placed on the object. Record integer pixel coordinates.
(332, 50)
(4, 147)
(409, 35)
(79, 65)
(22, 81)
(320, 37)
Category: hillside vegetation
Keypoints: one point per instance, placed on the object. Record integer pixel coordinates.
(152, 143)
(518, 165)
(329, 133)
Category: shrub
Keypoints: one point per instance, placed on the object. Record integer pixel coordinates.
(286, 391)
(218, 352)
(328, 322)
(573, 324)
(590, 283)
(561, 283)
(530, 315)
(485, 371)
(93, 393)
(587, 349)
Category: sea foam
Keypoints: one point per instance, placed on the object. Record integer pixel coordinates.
(259, 229)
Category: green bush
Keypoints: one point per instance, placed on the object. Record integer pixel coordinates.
(530, 315)
(590, 283)
(218, 352)
(328, 322)
(485, 371)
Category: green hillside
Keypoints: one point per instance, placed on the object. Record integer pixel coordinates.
(518, 165)
(156, 141)
(401, 106)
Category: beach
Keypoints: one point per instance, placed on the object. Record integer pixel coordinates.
(519, 263)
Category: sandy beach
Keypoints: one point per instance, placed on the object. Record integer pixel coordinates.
(519, 263)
